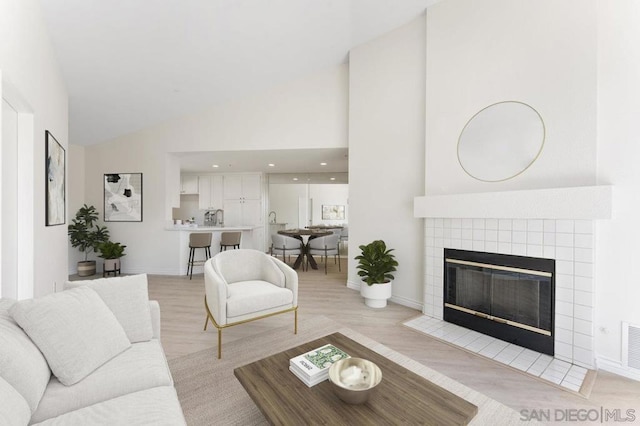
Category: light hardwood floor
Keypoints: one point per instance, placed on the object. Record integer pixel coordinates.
(183, 317)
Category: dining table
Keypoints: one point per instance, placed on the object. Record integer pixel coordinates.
(305, 235)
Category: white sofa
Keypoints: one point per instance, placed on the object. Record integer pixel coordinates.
(85, 356)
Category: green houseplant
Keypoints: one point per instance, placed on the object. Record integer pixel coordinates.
(111, 252)
(375, 266)
(86, 236)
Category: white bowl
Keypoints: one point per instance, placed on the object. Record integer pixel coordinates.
(354, 379)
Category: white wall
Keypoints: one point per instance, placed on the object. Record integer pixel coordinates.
(283, 199)
(617, 285)
(328, 194)
(29, 65)
(386, 151)
(308, 113)
(75, 191)
(541, 52)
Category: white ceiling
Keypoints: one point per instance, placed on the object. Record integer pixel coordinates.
(129, 64)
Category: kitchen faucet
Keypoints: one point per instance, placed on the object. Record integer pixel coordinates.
(274, 217)
(219, 220)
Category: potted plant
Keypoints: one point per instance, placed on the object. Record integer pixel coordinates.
(375, 264)
(86, 236)
(111, 252)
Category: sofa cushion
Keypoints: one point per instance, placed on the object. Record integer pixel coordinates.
(14, 410)
(128, 299)
(247, 265)
(255, 296)
(156, 406)
(19, 354)
(74, 330)
(143, 366)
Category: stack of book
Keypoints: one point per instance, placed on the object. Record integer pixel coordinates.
(313, 366)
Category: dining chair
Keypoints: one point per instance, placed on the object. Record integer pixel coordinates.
(284, 245)
(198, 240)
(325, 246)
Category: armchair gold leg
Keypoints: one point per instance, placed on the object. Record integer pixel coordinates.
(206, 321)
(295, 322)
(219, 343)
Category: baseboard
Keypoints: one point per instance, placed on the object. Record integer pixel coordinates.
(407, 302)
(616, 367)
(395, 299)
(353, 285)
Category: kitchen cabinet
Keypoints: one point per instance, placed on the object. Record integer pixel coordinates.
(210, 192)
(188, 184)
(242, 212)
(243, 199)
(243, 187)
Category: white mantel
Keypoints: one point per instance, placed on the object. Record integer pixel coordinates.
(584, 202)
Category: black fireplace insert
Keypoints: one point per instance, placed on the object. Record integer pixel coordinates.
(505, 296)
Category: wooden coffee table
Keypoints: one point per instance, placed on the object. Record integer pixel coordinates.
(402, 397)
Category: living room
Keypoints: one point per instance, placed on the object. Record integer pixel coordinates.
(398, 105)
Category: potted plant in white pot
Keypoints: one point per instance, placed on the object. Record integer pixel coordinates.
(111, 252)
(375, 264)
(86, 237)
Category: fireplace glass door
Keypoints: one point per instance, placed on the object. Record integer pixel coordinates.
(505, 296)
(522, 298)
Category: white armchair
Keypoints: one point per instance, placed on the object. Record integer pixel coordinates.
(246, 285)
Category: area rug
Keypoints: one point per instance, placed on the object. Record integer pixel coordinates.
(210, 394)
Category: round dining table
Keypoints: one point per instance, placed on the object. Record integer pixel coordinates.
(305, 235)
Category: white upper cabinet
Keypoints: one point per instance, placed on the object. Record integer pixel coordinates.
(243, 199)
(210, 190)
(188, 184)
(243, 187)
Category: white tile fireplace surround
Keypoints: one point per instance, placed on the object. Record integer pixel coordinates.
(569, 242)
(556, 223)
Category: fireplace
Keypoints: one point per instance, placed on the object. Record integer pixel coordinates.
(505, 296)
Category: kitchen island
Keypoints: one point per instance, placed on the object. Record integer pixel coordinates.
(252, 237)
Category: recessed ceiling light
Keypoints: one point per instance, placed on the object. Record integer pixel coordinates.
(271, 165)
(323, 164)
(215, 166)
(332, 178)
(295, 178)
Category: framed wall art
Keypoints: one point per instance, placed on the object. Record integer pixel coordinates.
(332, 212)
(123, 197)
(55, 181)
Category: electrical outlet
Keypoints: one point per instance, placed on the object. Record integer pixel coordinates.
(603, 329)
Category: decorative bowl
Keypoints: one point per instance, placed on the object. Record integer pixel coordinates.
(354, 379)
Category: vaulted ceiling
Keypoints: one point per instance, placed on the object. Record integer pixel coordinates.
(129, 64)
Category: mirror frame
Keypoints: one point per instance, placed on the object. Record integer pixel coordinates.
(533, 160)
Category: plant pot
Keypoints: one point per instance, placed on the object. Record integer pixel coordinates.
(376, 295)
(111, 266)
(86, 268)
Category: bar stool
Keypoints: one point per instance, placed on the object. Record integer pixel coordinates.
(198, 240)
(230, 239)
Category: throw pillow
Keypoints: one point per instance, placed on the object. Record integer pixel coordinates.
(75, 331)
(128, 299)
(19, 354)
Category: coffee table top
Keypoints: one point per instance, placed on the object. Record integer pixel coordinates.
(402, 397)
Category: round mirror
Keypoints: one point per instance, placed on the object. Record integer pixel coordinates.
(501, 141)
